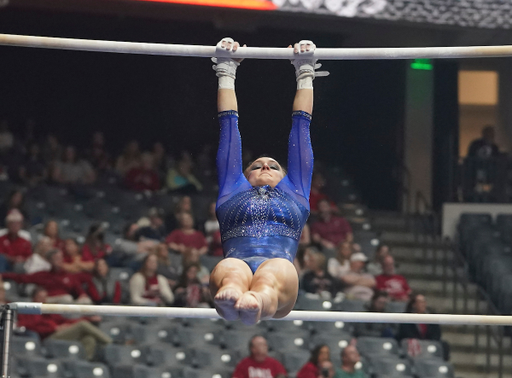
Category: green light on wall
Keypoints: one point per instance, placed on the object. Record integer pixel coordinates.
(422, 64)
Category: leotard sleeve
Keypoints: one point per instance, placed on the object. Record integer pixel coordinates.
(300, 158)
(229, 158)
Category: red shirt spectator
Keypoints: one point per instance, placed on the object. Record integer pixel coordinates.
(14, 247)
(57, 282)
(51, 230)
(259, 364)
(394, 284)
(95, 247)
(102, 288)
(89, 255)
(319, 355)
(45, 324)
(330, 230)
(310, 370)
(144, 177)
(186, 237)
(316, 195)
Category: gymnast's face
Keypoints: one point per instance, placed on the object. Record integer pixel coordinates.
(264, 171)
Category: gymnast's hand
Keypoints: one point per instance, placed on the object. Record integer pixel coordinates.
(226, 63)
(305, 62)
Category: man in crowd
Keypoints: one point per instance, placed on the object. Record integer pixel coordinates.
(13, 248)
(62, 287)
(394, 284)
(485, 147)
(259, 364)
(54, 326)
(349, 359)
(330, 230)
(359, 285)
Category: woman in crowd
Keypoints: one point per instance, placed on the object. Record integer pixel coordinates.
(193, 257)
(212, 231)
(129, 159)
(374, 267)
(378, 304)
(184, 205)
(165, 267)
(102, 288)
(187, 237)
(181, 180)
(311, 369)
(340, 265)
(72, 170)
(304, 262)
(147, 288)
(73, 262)
(318, 280)
(15, 200)
(51, 230)
(263, 209)
(95, 247)
(191, 292)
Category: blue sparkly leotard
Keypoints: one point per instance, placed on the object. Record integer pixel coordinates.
(260, 223)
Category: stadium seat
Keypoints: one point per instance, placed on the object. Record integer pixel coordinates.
(336, 343)
(298, 339)
(352, 305)
(188, 336)
(396, 307)
(40, 367)
(119, 331)
(84, 369)
(159, 354)
(310, 303)
(64, 349)
(377, 346)
(294, 361)
(210, 261)
(213, 358)
(428, 349)
(475, 218)
(237, 339)
(431, 368)
(26, 346)
(142, 371)
(123, 354)
(368, 240)
(338, 327)
(391, 367)
(152, 333)
(207, 324)
(190, 372)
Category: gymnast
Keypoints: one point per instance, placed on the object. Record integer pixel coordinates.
(261, 209)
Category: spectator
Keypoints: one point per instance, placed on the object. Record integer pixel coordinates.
(129, 159)
(316, 195)
(312, 368)
(181, 180)
(160, 162)
(37, 262)
(62, 287)
(13, 248)
(57, 327)
(128, 249)
(73, 262)
(52, 150)
(340, 265)
(359, 285)
(378, 304)
(184, 205)
(318, 280)
(97, 154)
(349, 359)
(155, 230)
(305, 237)
(148, 288)
(143, 177)
(191, 292)
(102, 288)
(6, 137)
(327, 369)
(71, 170)
(330, 230)
(192, 256)
(33, 171)
(258, 364)
(186, 237)
(212, 231)
(51, 230)
(418, 305)
(374, 267)
(394, 284)
(484, 147)
(304, 260)
(165, 267)
(95, 247)
(15, 200)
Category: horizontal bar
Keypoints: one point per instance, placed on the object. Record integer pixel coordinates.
(254, 52)
(318, 316)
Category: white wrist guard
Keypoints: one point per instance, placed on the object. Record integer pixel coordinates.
(305, 65)
(225, 67)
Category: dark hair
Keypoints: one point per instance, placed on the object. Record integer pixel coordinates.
(37, 290)
(252, 338)
(267, 156)
(412, 302)
(95, 233)
(378, 294)
(142, 269)
(316, 352)
(95, 269)
(183, 278)
(11, 194)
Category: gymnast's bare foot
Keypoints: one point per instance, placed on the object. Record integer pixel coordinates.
(225, 301)
(250, 306)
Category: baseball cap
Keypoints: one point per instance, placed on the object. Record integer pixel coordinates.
(14, 216)
(358, 256)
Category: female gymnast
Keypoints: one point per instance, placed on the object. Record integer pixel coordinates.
(263, 209)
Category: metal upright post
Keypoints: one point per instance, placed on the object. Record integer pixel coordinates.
(6, 323)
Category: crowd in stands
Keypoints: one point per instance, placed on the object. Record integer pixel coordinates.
(165, 250)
